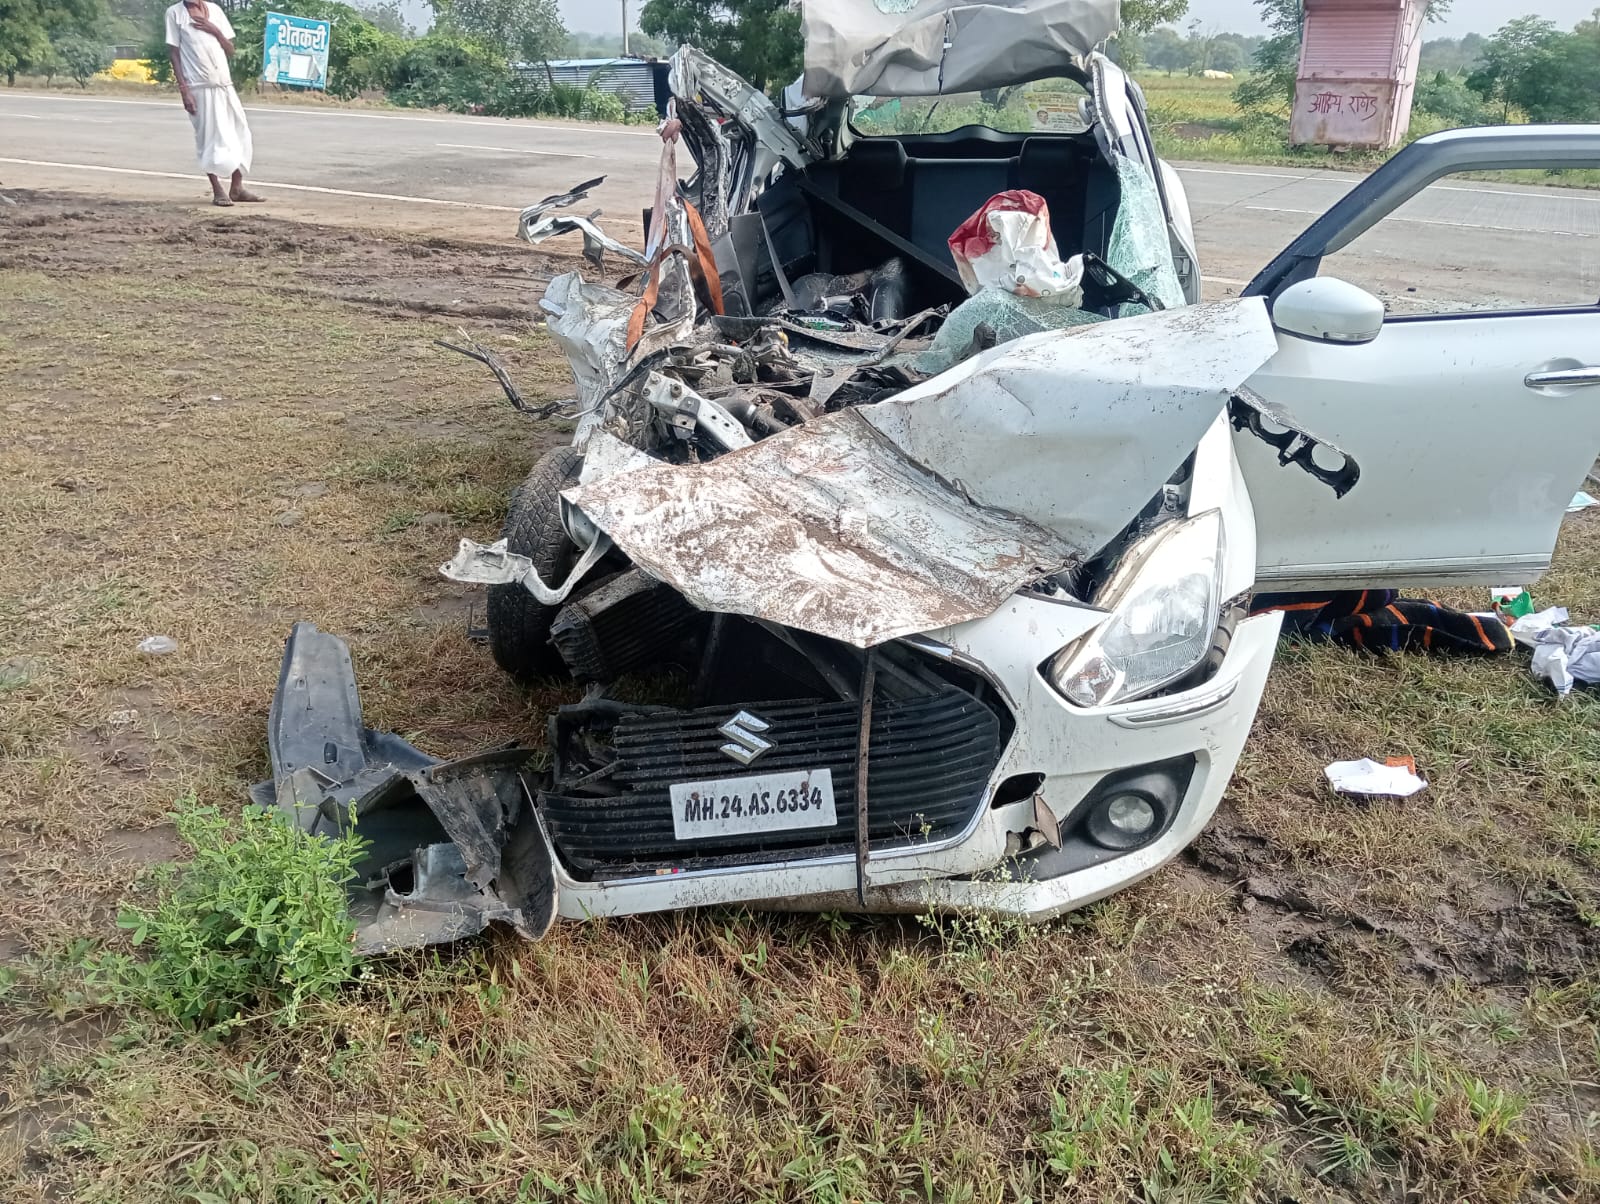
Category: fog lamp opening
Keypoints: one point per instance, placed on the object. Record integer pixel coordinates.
(1132, 809)
(1130, 814)
(1124, 820)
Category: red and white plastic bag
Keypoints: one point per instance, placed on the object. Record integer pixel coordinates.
(1007, 245)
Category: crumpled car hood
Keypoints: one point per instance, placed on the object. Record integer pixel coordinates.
(937, 47)
(933, 507)
(828, 528)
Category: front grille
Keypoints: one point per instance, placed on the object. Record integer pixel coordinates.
(930, 759)
(624, 625)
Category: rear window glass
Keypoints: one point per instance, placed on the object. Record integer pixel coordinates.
(1048, 105)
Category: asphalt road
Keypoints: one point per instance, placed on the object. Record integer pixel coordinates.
(468, 175)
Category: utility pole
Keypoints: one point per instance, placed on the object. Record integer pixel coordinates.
(624, 26)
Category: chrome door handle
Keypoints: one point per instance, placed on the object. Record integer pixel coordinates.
(1563, 378)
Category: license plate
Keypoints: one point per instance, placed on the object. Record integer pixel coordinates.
(770, 802)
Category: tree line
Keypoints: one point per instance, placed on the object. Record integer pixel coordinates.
(464, 62)
(760, 39)
(52, 37)
(1528, 68)
(1532, 66)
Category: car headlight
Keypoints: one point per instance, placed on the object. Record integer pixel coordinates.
(1164, 601)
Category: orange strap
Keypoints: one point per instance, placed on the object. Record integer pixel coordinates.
(704, 260)
(652, 290)
(702, 270)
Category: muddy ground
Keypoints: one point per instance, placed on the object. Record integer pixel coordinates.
(409, 273)
(214, 425)
(190, 402)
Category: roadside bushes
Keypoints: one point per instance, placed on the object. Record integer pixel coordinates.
(447, 71)
(441, 70)
(361, 58)
(82, 58)
(1447, 97)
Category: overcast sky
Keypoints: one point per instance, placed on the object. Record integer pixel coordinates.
(1237, 16)
(1465, 16)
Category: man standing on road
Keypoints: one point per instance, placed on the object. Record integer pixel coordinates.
(200, 43)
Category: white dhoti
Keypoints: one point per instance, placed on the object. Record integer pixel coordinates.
(221, 134)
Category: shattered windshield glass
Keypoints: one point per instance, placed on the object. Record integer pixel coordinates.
(1045, 106)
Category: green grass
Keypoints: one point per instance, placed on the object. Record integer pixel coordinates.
(1196, 120)
(1189, 98)
(254, 919)
(1327, 1000)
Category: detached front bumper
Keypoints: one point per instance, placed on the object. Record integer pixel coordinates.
(450, 846)
(455, 846)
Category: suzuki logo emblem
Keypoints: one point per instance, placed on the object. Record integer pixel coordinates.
(744, 731)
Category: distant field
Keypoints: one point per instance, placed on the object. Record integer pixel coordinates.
(1197, 119)
(1191, 98)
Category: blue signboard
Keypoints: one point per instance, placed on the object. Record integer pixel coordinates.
(296, 51)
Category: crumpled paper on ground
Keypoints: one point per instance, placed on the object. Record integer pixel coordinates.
(1367, 776)
(1565, 655)
(1007, 244)
(1527, 628)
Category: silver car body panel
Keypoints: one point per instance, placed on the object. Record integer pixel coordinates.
(937, 47)
(827, 528)
(933, 507)
(1075, 430)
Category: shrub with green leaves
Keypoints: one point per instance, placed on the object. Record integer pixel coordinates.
(80, 57)
(1447, 97)
(256, 919)
(447, 70)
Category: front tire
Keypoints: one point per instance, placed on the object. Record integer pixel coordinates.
(519, 624)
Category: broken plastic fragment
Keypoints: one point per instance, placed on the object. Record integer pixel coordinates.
(450, 847)
(158, 645)
(495, 564)
(1368, 777)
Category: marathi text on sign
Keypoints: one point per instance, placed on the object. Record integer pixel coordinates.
(295, 51)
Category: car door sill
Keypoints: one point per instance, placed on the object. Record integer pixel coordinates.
(1486, 569)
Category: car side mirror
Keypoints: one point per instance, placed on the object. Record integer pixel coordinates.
(1328, 310)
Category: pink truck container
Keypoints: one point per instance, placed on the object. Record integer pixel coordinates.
(1358, 72)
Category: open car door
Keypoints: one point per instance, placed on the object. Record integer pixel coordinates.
(1473, 422)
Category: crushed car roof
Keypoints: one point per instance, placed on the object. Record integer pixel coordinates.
(937, 47)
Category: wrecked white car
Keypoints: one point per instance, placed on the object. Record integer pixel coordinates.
(888, 594)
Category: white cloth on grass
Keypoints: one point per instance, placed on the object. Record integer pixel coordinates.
(221, 134)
